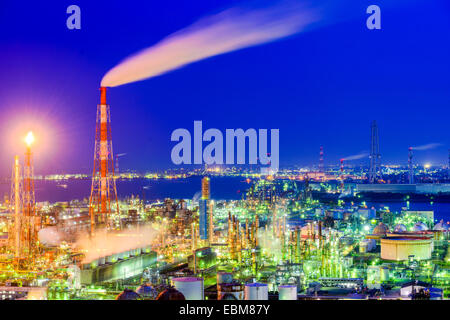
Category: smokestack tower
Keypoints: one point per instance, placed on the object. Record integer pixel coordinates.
(16, 206)
(375, 157)
(205, 188)
(321, 160)
(205, 212)
(410, 166)
(31, 223)
(103, 200)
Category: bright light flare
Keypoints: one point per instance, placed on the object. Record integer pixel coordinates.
(29, 139)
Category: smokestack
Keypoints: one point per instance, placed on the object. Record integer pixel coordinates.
(31, 222)
(321, 159)
(375, 157)
(103, 200)
(205, 188)
(16, 199)
(102, 95)
(410, 165)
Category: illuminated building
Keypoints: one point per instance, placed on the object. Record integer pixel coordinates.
(205, 212)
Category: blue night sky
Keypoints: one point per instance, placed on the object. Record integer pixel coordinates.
(320, 87)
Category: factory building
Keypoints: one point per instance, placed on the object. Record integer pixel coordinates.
(203, 219)
(425, 188)
(376, 275)
(118, 266)
(201, 259)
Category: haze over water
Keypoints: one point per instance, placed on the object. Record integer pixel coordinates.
(222, 188)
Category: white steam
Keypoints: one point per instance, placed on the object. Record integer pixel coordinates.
(356, 156)
(50, 236)
(104, 243)
(227, 31)
(267, 242)
(427, 146)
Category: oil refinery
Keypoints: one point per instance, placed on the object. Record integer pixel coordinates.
(284, 239)
(342, 193)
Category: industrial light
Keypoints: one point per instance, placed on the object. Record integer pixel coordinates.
(29, 139)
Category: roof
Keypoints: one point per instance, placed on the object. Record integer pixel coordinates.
(416, 283)
(381, 229)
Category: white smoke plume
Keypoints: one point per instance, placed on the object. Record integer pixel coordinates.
(230, 30)
(267, 242)
(427, 146)
(50, 236)
(104, 243)
(357, 156)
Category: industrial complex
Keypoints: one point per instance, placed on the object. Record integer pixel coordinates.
(212, 225)
(292, 236)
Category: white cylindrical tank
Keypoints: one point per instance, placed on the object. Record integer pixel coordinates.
(287, 292)
(256, 291)
(190, 287)
(224, 277)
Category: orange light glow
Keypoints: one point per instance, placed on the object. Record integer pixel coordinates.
(29, 139)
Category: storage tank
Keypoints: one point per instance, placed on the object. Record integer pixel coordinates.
(256, 291)
(287, 292)
(230, 291)
(190, 287)
(224, 277)
(400, 248)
